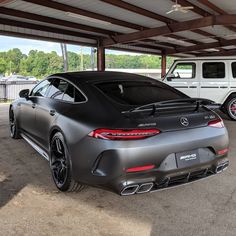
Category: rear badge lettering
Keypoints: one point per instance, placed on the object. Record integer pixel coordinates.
(147, 124)
(189, 157)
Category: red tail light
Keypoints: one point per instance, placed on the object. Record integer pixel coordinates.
(223, 151)
(216, 123)
(140, 168)
(118, 134)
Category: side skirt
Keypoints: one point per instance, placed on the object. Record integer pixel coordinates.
(35, 147)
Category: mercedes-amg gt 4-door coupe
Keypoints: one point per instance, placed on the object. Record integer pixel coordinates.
(118, 131)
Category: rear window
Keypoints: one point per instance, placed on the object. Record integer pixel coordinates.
(137, 93)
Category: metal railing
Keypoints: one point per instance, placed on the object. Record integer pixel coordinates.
(9, 90)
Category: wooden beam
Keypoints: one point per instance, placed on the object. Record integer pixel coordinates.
(163, 65)
(54, 21)
(66, 8)
(101, 59)
(173, 28)
(45, 28)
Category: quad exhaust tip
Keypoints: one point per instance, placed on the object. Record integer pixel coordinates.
(144, 188)
(132, 189)
(221, 167)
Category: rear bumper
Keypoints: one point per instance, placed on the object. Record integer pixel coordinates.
(103, 163)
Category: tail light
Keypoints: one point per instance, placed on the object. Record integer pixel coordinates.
(223, 151)
(216, 123)
(118, 134)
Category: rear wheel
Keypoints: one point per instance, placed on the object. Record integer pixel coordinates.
(231, 108)
(60, 165)
(14, 131)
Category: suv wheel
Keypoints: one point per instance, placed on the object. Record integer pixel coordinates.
(231, 108)
(60, 165)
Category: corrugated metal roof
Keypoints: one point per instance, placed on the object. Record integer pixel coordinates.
(159, 7)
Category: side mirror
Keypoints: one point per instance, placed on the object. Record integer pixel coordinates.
(169, 77)
(24, 93)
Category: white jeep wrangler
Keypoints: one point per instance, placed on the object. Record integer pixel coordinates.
(213, 78)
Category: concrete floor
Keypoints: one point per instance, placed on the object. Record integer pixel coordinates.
(31, 205)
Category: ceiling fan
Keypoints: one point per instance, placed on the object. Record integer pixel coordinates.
(179, 8)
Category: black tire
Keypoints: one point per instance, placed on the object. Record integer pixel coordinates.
(14, 130)
(60, 165)
(230, 107)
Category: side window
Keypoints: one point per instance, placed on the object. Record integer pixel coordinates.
(41, 89)
(234, 69)
(184, 71)
(57, 89)
(73, 95)
(213, 70)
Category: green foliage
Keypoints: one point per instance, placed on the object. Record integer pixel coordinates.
(41, 64)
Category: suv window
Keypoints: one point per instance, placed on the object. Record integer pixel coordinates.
(184, 71)
(234, 69)
(138, 92)
(213, 70)
(41, 89)
(72, 94)
(57, 89)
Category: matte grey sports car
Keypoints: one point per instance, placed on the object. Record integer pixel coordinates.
(118, 131)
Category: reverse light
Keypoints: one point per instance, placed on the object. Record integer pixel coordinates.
(223, 151)
(140, 168)
(216, 123)
(118, 134)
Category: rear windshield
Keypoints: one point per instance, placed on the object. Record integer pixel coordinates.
(137, 93)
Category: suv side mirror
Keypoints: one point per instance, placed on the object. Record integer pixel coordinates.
(24, 93)
(169, 77)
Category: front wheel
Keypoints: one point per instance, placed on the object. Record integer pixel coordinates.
(231, 108)
(60, 165)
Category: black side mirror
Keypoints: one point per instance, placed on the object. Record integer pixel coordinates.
(24, 93)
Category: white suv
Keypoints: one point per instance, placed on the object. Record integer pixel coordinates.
(213, 78)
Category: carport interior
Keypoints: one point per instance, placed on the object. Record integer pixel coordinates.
(207, 29)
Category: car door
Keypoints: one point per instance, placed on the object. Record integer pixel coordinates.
(47, 110)
(184, 77)
(214, 83)
(28, 108)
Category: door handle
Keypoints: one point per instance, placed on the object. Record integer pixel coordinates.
(52, 112)
(33, 105)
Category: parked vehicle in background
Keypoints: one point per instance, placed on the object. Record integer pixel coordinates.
(31, 78)
(119, 131)
(212, 78)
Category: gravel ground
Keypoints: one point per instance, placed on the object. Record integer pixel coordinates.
(31, 205)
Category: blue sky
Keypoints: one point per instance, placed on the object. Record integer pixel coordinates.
(25, 45)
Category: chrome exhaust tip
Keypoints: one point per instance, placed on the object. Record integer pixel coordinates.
(221, 167)
(129, 190)
(144, 188)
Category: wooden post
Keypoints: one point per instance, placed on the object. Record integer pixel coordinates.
(101, 59)
(163, 65)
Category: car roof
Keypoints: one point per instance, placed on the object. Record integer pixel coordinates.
(99, 76)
